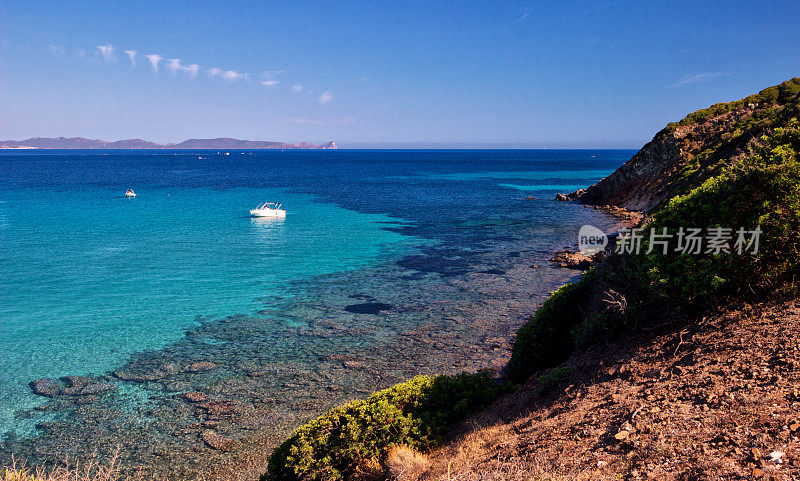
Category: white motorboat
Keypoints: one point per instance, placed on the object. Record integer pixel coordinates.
(268, 209)
(130, 194)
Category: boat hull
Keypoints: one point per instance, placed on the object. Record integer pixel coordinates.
(267, 213)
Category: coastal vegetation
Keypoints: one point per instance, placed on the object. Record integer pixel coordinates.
(352, 440)
(747, 175)
(783, 93)
(762, 190)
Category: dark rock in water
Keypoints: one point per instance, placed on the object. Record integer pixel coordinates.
(572, 260)
(49, 426)
(222, 407)
(218, 442)
(97, 388)
(368, 308)
(204, 425)
(46, 387)
(562, 197)
(76, 381)
(168, 368)
(349, 362)
(445, 262)
(85, 400)
(85, 386)
(352, 364)
(497, 272)
(177, 386)
(201, 366)
(148, 375)
(195, 397)
(139, 377)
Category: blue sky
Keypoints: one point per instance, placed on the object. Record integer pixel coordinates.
(539, 74)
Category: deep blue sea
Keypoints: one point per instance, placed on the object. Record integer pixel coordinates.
(90, 280)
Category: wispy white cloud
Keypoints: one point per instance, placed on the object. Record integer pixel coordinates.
(57, 50)
(233, 75)
(192, 69)
(227, 74)
(107, 52)
(697, 78)
(131, 55)
(526, 14)
(267, 78)
(154, 58)
(174, 64)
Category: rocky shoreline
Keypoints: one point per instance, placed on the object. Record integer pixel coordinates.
(217, 402)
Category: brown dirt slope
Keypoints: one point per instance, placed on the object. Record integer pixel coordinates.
(715, 398)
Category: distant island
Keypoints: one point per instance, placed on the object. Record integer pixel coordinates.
(217, 143)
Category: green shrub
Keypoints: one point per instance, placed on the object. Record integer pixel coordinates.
(783, 93)
(353, 439)
(548, 338)
(551, 378)
(762, 190)
(776, 106)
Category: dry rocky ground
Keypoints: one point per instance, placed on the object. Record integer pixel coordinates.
(714, 398)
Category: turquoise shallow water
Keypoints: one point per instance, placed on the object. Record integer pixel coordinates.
(378, 247)
(88, 278)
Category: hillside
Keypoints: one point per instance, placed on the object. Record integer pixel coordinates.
(657, 363)
(686, 153)
(715, 400)
(217, 143)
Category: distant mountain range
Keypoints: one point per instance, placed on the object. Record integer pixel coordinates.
(218, 143)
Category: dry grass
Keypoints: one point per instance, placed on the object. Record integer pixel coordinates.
(92, 470)
(512, 471)
(405, 463)
(479, 456)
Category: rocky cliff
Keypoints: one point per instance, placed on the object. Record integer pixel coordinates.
(686, 153)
